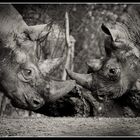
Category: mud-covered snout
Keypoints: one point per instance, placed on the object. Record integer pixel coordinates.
(32, 87)
(27, 101)
(35, 102)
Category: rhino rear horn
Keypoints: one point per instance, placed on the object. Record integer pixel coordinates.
(49, 65)
(38, 31)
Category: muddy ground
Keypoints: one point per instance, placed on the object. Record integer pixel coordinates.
(66, 126)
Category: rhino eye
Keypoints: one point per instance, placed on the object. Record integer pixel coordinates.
(25, 75)
(27, 72)
(113, 73)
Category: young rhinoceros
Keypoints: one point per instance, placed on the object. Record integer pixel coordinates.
(24, 73)
(116, 74)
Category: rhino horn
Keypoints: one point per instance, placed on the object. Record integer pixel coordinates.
(84, 80)
(59, 89)
(49, 65)
(38, 31)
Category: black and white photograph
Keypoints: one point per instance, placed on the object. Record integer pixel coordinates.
(69, 69)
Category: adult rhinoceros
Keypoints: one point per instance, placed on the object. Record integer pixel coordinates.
(116, 76)
(24, 73)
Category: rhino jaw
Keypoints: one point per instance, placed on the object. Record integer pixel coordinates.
(59, 89)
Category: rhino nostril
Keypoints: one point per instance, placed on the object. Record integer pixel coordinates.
(36, 102)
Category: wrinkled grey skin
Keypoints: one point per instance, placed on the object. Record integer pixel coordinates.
(24, 74)
(118, 72)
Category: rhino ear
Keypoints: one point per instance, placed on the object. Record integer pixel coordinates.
(116, 31)
(38, 31)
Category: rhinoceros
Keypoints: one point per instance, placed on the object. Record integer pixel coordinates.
(116, 75)
(24, 72)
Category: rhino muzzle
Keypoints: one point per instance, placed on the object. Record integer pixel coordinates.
(34, 103)
(51, 93)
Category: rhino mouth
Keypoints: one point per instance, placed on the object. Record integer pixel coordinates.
(105, 97)
(109, 96)
(57, 90)
(101, 97)
(28, 103)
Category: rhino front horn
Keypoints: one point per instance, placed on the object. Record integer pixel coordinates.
(84, 80)
(59, 89)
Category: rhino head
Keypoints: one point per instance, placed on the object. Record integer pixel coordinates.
(118, 71)
(24, 73)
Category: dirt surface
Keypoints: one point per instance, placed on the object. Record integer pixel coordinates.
(65, 126)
